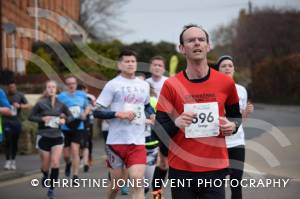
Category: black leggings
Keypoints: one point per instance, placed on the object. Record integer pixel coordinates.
(194, 191)
(236, 169)
(90, 144)
(12, 130)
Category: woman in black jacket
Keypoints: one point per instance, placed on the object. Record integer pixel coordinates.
(50, 114)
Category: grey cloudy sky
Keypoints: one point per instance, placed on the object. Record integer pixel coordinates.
(156, 20)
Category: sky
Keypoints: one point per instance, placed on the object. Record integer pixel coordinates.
(157, 20)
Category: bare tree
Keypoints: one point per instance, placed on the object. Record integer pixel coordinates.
(224, 34)
(222, 39)
(260, 34)
(266, 33)
(99, 17)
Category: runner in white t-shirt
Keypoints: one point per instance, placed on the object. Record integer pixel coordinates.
(156, 81)
(239, 138)
(157, 69)
(123, 102)
(236, 142)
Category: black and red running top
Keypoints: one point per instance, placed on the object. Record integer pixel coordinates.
(196, 154)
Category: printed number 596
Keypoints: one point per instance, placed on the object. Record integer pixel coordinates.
(202, 117)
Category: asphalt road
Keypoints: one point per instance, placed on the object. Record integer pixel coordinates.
(273, 148)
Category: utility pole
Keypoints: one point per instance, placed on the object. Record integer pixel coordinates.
(249, 7)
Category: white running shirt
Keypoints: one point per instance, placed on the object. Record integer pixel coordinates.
(116, 95)
(238, 138)
(157, 85)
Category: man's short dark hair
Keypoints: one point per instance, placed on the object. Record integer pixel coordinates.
(140, 74)
(127, 52)
(11, 81)
(186, 27)
(158, 57)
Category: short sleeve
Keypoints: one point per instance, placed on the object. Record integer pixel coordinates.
(86, 100)
(106, 96)
(233, 97)
(60, 97)
(23, 99)
(3, 99)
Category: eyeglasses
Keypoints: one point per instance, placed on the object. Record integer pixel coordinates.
(71, 83)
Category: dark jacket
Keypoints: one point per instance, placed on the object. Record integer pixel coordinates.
(44, 108)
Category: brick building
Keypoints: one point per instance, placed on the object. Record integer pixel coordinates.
(26, 21)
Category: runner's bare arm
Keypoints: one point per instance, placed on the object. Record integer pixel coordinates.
(5, 111)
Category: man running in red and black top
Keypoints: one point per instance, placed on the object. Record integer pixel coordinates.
(191, 110)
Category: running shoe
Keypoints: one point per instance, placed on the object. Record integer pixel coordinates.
(50, 193)
(124, 190)
(157, 194)
(7, 165)
(43, 181)
(86, 168)
(13, 165)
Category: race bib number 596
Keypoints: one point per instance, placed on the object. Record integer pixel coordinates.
(206, 123)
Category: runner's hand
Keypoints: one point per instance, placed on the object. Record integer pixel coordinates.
(185, 119)
(128, 115)
(152, 119)
(62, 121)
(46, 119)
(250, 108)
(149, 121)
(16, 105)
(226, 127)
(83, 116)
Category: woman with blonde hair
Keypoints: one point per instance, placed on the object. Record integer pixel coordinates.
(50, 114)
